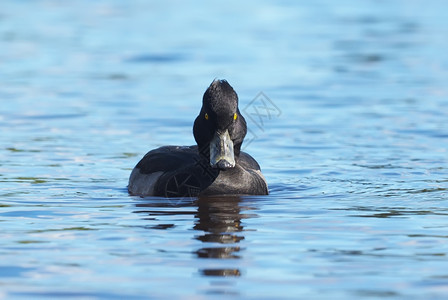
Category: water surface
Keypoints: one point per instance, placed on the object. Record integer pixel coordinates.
(350, 130)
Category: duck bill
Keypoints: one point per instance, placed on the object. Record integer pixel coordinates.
(221, 151)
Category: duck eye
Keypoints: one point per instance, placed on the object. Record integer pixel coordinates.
(235, 116)
(206, 116)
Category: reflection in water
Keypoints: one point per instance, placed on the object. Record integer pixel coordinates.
(217, 218)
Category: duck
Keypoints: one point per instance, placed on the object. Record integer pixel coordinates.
(214, 166)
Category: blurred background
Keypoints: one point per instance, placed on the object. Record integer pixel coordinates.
(355, 150)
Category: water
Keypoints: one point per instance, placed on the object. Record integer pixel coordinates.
(352, 137)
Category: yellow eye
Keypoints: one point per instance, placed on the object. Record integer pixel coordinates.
(235, 116)
(206, 116)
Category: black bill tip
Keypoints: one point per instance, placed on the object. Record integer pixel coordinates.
(223, 164)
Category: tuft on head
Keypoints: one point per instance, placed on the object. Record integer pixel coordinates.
(220, 98)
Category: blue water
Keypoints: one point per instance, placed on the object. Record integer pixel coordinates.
(350, 129)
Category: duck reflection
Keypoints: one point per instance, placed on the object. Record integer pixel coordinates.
(219, 218)
(219, 221)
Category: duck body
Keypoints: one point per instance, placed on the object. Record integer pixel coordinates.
(215, 166)
(175, 171)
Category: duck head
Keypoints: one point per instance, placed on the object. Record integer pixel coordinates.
(219, 129)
